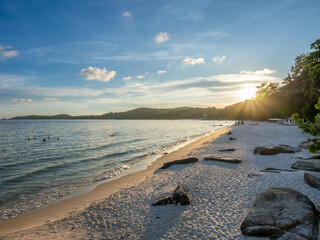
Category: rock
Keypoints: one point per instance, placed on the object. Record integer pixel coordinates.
(229, 133)
(306, 144)
(307, 165)
(179, 196)
(281, 210)
(220, 159)
(182, 161)
(254, 174)
(315, 157)
(227, 150)
(277, 170)
(273, 150)
(312, 180)
(231, 138)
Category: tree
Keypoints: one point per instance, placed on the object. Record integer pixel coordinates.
(312, 128)
(312, 61)
(266, 89)
(313, 64)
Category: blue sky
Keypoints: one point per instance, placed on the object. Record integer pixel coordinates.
(92, 57)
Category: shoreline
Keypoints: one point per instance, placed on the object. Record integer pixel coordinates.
(63, 208)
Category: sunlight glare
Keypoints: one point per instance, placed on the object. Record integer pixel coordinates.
(246, 93)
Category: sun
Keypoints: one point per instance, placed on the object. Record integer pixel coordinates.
(246, 93)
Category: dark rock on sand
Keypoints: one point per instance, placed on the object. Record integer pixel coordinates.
(231, 138)
(281, 210)
(229, 133)
(312, 180)
(227, 150)
(179, 196)
(306, 144)
(254, 174)
(307, 165)
(273, 150)
(220, 159)
(182, 161)
(277, 170)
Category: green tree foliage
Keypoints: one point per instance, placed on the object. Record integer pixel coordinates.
(294, 95)
(266, 90)
(313, 64)
(312, 128)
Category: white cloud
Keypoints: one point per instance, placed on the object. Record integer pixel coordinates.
(127, 14)
(219, 59)
(126, 78)
(192, 61)
(140, 76)
(161, 37)
(5, 53)
(94, 73)
(259, 72)
(52, 100)
(22, 100)
(162, 72)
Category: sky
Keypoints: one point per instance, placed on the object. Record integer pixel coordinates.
(82, 57)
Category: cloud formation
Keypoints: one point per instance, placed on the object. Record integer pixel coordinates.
(6, 53)
(259, 72)
(192, 61)
(52, 100)
(22, 100)
(94, 73)
(127, 14)
(126, 78)
(162, 72)
(161, 37)
(219, 59)
(140, 76)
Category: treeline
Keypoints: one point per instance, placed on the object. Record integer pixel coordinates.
(299, 91)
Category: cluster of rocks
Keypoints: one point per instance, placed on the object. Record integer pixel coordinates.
(279, 211)
(179, 195)
(276, 211)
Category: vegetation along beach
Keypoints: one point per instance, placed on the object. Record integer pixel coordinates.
(160, 119)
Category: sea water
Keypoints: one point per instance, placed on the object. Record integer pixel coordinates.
(44, 160)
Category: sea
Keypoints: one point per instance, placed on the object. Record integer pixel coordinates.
(46, 161)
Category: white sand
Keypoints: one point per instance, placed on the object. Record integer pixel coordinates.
(221, 194)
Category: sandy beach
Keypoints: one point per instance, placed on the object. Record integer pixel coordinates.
(221, 194)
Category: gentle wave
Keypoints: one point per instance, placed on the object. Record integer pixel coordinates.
(34, 173)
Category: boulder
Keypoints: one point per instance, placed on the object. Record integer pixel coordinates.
(306, 144)
(312, 180)
(273, 150)
(220, 159)
(231, 138)
(227, 150)
(182, 161)
(281, 210)
(179, 196)
(229, 133)
(307, 165)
